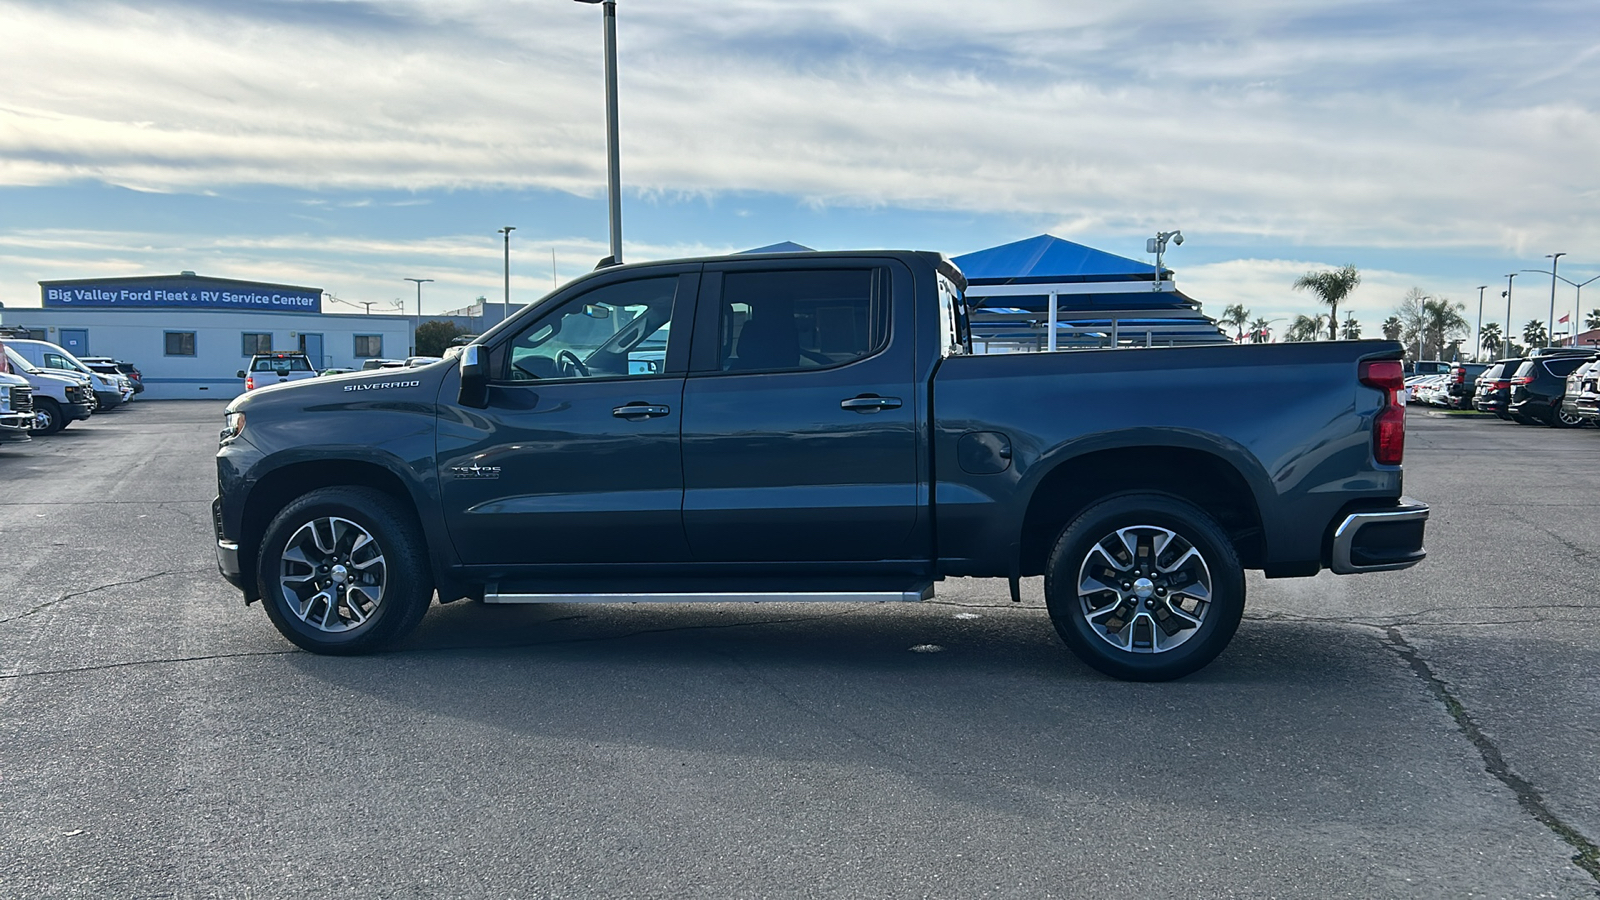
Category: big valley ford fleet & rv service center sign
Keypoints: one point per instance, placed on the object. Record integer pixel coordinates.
(180, 292)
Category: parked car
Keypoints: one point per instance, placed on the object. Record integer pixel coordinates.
(1462, 383)
(1426, 389)
(334, 370)
(123, 366)
(59, 398)
(1494, 387)
(110, 390)
(1582, 398)
(16, 409)
(829, 435)
(1537, 389)
(279, 367)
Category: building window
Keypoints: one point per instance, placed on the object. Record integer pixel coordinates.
(369, 346)
(180, 343)
(257, 343)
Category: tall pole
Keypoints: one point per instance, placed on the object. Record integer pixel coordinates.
(1477, 348)
(418, 322)
(505, 307)
(1550, 323)
(614, 181)
(1507, 338)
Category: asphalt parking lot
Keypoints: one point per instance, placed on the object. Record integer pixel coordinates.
(1430, 733)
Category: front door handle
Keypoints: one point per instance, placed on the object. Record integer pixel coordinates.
(870, 403)
(640, 411)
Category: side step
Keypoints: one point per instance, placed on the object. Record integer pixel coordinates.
(492, 594)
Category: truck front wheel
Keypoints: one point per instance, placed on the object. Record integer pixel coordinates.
(47, 417)
(1145, 587)
(343, 571)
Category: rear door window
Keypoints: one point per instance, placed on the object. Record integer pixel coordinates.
(790, 320)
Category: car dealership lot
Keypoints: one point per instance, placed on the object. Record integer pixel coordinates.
(1424, 733)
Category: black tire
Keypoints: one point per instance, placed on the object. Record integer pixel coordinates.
(47, 417)
(1083, 625)
(295, 588)
(1558, 419)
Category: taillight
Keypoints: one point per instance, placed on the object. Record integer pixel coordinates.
(250, 383)
(1499, 385)
(1389, 426)
(1522, 379)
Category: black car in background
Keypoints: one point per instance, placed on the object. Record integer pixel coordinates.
(121, 365)
(1463, 383)
(1494, 387)
(1538, 387)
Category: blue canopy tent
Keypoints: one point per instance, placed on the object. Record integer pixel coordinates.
(1045, 293)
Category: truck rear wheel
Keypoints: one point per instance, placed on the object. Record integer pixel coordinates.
(1145, 587)
(343, 570)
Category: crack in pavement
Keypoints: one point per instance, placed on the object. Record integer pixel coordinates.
(68, 596)
(1395, 621)
(12, 676)
(1528, 797)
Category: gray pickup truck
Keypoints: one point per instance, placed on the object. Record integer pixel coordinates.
(812, 426)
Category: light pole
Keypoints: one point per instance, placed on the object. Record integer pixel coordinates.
(1549, 331)
(613, 154)
(1506, 338)
(1478, 347)
(418, 323)
(1158, 246)
(505, 308)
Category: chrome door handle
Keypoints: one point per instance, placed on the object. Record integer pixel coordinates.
(870, 404)
(640, 411)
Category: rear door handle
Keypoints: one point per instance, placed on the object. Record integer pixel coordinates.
(870, 403)
(640, 411)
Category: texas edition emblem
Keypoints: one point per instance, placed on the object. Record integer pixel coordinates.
(475, 471)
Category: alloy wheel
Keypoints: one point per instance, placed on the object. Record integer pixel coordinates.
(332, 574)
(1144, 589)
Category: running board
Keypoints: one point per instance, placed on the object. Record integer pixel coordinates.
(491, 594)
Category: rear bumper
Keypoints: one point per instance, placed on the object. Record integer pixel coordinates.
(1380, 540)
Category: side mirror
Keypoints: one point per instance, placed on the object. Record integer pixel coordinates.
(474, 368)
(240, 375)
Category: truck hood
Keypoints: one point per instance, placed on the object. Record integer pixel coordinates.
(414, 384)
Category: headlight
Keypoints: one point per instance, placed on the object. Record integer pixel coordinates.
(233, 428)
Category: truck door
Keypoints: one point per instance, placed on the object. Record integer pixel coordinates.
(576, 458)
(800, 427)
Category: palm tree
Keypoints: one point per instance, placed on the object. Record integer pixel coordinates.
(1392, 328)
(1258, 331)
(1236, 315)
(1534, 333)
(1491, 339)
(1592, 321)
(1351, 329)
(1305, 328)
(1330, 288)
(1442, 321)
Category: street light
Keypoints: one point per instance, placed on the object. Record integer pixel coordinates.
(1158, 246)
(1555, 258)
(1478, 347)
(418, 323)
(613, 155)
(1506, 338)
(505, 308)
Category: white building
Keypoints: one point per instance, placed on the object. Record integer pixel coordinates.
(189, 335)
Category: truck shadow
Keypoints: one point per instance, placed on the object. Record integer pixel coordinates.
(1002, 715)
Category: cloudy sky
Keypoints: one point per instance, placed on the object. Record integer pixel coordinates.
(348, 145)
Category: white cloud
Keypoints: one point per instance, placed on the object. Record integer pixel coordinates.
(1335, 123)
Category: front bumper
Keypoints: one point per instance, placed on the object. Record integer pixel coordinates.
(1381, 540)
(14, 428)
(227, 550)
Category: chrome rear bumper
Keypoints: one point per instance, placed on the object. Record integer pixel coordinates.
(1381, 540)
